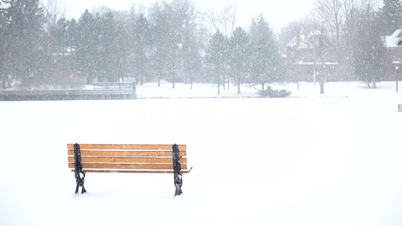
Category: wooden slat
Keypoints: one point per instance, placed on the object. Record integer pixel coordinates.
(127, 166)
(126, 153)
(125, 160)
(132, 171)
(182, 147)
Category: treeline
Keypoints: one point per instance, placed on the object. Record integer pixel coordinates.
(168, 41)
(172, 41)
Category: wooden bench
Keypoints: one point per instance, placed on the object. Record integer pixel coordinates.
(127, 158)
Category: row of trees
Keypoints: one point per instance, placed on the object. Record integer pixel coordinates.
(245, 56)
(168, 41)
(353, 32)
(175, 42)
(104, 45)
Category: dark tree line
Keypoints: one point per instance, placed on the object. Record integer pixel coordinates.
(168, 41)
(171, 42)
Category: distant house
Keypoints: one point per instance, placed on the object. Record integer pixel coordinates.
(306, 62)
(394, 47)
(393, 43)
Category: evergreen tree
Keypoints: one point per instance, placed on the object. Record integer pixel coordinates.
(392, 16)
(22, 40)
(264, 56)
(369, 52)
(60, 35)
(162, 36)
(181, 16)
(72, 45)
(192, 56)
(119, 52)
(140, 46)
(57, 47)
(3, 54)
(86, 50)
(189, 57)
(239, 55)
(107, 46)
(216, 57)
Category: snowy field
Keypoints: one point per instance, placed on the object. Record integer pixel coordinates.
(315, 160)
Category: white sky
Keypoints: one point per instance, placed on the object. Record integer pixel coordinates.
(277, 12)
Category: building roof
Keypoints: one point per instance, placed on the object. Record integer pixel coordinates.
(299, 42)
(394, 40)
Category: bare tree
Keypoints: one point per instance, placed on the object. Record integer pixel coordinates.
(329, 12)
(316, 35)
(54, 10)
(340, 17)
(229, 18)
(223, 20)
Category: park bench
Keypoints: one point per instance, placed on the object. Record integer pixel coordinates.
(127, 158)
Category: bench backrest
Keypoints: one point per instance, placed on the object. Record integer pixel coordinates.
(127, 158)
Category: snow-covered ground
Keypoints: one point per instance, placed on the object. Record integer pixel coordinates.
(332, 89)
(310, 159)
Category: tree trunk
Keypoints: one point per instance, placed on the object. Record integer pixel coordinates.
(374, 84)
(262, 88)
(314, 73)
(4, 83)
(322, 77)
(238, 83)
(322, 81)
(223, 81)
(173, 79)
(219, 84)
(322, 87)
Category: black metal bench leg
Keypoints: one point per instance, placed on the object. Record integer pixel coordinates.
(79, 174)
(178, 182)
(178, 178)
(82, 184)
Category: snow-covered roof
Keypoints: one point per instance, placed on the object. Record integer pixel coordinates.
(394, 40)
(300, 42)
(317, 63)
(304, 41)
